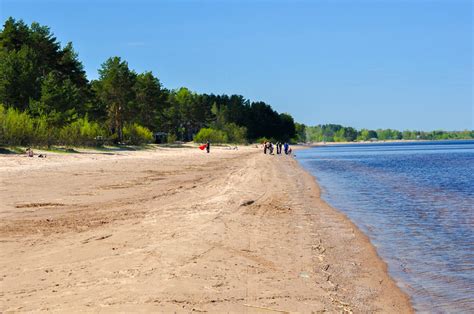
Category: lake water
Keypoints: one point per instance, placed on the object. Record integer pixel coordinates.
(416, 203)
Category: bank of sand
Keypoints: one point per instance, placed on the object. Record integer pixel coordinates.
(180, 230)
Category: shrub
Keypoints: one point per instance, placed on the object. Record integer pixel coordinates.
(90, 131)
(236, 134)
(2, 118)
(16, 128)
(70, 134)
(44, 133)
(136, 134)
(171, 138)
(215, 136)
(81, 133)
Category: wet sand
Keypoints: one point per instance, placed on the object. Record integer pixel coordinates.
(180, 230)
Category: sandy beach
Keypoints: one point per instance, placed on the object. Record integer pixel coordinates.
(176, 229)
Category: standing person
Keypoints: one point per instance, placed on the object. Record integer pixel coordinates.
(286, 148)
(279, 147)
(265, 146)
(208, 146)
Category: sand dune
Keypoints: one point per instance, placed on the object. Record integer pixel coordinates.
(180, 230)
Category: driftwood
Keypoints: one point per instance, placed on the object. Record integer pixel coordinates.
(247, 203)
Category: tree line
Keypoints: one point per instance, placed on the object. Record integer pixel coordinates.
(46, 99)
(339, 133)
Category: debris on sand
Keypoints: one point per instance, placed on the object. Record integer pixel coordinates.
(247, 203)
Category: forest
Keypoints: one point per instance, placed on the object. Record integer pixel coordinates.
(46, 99)
(339, 133)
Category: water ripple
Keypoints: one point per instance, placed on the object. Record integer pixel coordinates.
(416, 203)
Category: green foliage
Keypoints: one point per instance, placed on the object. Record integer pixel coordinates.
(220, 119)
(81, 133)
(339, 136)
(350, 134)
(235, 134)
(48, 100)
(325, 133)
(44, 134)
(28, 56)
(2, 118)
(366, 135)
(18, 82)
(136, 134)
(115, 89)
(286, 127)
(389, 134)
(339, 133)
(57, 100)
(212, 135)
(49, 81)
(264, 139)
(149, 100)
(300, 130)
(171, 138)
(16, 128)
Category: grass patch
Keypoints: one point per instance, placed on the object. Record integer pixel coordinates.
(121, 148)
(63, 150)
(11, 150)
(174, 145)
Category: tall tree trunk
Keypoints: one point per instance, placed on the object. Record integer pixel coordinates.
(118, 124)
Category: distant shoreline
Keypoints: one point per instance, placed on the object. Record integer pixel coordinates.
(316, 144)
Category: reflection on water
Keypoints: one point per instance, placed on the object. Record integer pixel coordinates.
(416, 203)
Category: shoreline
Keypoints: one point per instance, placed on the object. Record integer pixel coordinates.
(392, 284)
(320, 144)
(179, 230)
(361, 234)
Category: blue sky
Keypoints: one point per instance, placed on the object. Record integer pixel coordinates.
(404, 64)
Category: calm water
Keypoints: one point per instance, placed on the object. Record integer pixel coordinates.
(416, 203)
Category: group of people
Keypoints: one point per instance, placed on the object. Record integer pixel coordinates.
(269, 147)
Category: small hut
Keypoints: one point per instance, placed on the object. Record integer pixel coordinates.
(160, 137)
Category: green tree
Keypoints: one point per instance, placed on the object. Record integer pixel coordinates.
(350, 134)
(366, 135)
(136, 134)
(220, 116)
(300, 133)
(339, 136)
(58, 101)
(286, 127)
(27, 57)
(14, 35)
(18, 79)
(149, 100)
(115, 89)
(209, 134)
(235, 134)
(363, 135)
